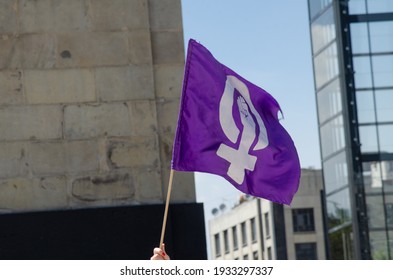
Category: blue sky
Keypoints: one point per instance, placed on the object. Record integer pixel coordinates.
(268, 43)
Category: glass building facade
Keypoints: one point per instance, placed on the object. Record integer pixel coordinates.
(352, 49)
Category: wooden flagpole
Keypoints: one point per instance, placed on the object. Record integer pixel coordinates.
(168, 198)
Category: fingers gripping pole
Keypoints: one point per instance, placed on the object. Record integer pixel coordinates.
(168, 197)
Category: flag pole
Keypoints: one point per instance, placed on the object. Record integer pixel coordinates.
(168, 197)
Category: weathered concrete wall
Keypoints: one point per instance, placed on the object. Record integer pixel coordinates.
(89, 96)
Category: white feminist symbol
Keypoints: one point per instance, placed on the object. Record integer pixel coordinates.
(240, 159)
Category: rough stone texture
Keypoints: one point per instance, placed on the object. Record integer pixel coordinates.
(39, 16)
(125, 83)
(7, 51)
(143, 117)
(28, 51)
(89, 96)
(102, 187)
(12, 159)
(11, 89)
(89, 49)
(137, 151)
(168, 80)
(165, 15)
(30, 122)
(112, 15)
(26, 194)
(8, 17)
(167, 47)
(139, 47)
(148, 186)
(183, 182)
(167, 119)
(36, 51)
(59, 86)
(63, 157)
(87, 121)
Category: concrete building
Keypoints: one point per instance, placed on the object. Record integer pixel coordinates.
(89, 96)
(352, 51)
(259, 229)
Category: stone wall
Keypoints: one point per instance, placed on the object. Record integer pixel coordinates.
(89, 98)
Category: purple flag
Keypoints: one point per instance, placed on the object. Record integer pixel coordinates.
(229, 127)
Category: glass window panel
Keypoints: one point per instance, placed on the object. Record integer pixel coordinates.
(253, 230)
(379, 6)
(387, 179)
(377, 175)
(329, 101)
(383, 70)
(359, 38)
(378, 245)
(267, 225)
(389, 214)
(357, 7)
(384, 100)
(217, 245)
(381, 36)
(362, 68)
(375, 211)
(372, 178)
(326, 65)
(306, 251)
(234, 238)
(338, 208)
(226, 241)
(303, 219)
(386, 138)
(335, 172)
(390, 233)
(365, 106)
(316, 6)
(341, 244)
(269, 253)
(244, 233)
(332, 136)
(368, 138)
(323, 30)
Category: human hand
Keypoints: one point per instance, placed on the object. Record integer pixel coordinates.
(160, 254)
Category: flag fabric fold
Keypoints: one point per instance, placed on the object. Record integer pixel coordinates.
(229, 127)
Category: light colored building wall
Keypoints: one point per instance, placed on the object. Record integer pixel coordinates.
(89, 96)
(308, 196)
(242, 213)
(268, 230)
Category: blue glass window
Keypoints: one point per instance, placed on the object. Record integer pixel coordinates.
(326, 65)
(329, 101)
(357, 7)
(365, 106)
(323, 30)
(332, 136)
(385, 138)
(338, 208)
(383, 70)
(381, 36)
(368, 138)
(362, 67)
(379, 6)
(336, 171)
(359, 38)
(316, 6)
(384, 100)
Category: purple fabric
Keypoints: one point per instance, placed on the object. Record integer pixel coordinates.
(243, 142)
